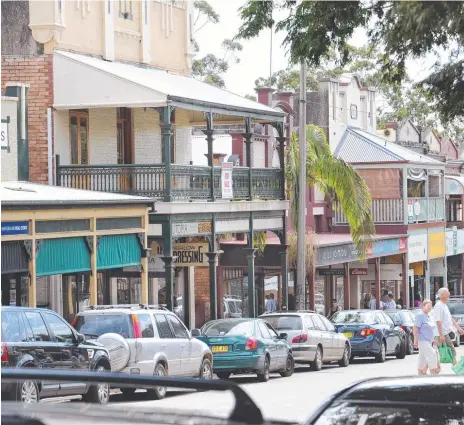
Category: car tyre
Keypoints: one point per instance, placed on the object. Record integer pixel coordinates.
(382, 356)
(100, 393)
(457, 343)
(410, 345)
(266, 373)
(223, 375)
(316, 365)
(345, 360)
(206, 371)
(28, 392)
(402, 353)
(289, 367)
(158, 393)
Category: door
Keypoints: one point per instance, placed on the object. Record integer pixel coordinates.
(281, 346)
(79, 136)
(326, 337)
(72, 357)
(270, 344)
(393, 338)
(338, 343)
(169, 344)
(43, 349)
(148, 346)
(190, 366)
(125, 147)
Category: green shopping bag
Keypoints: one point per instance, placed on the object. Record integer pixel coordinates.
(446, 355)
(458, 368)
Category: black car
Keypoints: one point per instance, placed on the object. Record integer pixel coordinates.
(405, 320)
(39, 338)
(424, 400)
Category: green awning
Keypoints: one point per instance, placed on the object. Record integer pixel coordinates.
(118, 251)
(62, 255)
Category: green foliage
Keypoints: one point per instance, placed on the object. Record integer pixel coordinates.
(259, 241)
(251, 97)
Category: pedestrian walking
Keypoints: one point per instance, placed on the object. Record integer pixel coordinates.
(424, 340)
(444, 330)
(373, 302)
(271, 304)
(400, 300)
(390, 304)
(333, 309)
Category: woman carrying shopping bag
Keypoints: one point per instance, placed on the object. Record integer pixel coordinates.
(423, 332)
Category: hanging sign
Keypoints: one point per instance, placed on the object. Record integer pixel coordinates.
(226, 180)
(358, 272)
(331, 272)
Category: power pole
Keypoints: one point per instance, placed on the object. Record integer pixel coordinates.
(301, 266)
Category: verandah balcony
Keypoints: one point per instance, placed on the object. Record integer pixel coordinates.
(188, 182)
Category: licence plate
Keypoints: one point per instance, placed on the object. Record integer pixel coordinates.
(348, 334)
(220, 348)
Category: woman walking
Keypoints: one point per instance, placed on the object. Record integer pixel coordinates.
(423, 332)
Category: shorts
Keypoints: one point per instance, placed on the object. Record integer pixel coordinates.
(448, 342)
(427, 356)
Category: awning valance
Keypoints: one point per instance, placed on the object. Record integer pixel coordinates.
(88, 82)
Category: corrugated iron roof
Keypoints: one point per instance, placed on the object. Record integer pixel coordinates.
(358, 146)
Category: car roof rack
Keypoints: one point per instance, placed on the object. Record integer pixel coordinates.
(127, 306)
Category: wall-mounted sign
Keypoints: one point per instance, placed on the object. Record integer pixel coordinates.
(358, 272)
(389, 246)
(417, 208)
(184, 229)
(410, 211)
(437, 245)
(417, 248)
(15, 228)
(353, 111)
(5, 137)
(331, 272)
(226, 180)
(327, 255)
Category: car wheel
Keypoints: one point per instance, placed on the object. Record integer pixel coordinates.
(206, 371)
(381, 357)
(317, 363)
(223, 375)
(289, 367)
(403, 349)
(457, 343)
(410, 345)
(345, 360)
(128, 392)
(266, 373)
(28, 392)
(158, 393)
(100, 393)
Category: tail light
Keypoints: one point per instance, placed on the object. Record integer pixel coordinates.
(367, 332)
(403, 327)
(136, 326)
(251, 344)
(299, 338)
(4, 353)
(74, 321)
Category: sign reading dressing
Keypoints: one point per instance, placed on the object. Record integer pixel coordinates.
(15, 228)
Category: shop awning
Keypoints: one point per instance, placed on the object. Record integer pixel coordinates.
(62, 255)
(116, 251)
(454, 185)
(14, 258)
(88, 82)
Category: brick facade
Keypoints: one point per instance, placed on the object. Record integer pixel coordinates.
(37, 71)
(202, 305)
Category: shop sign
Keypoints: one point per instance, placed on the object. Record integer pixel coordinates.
(327, 255)
(184, 229)
(10, 228)
(410, 211)
(437, 245)
(331, 272)
(388, 246)
(417, 268)
(387, 272)
(226, 180)
(417, 248)
(358, 272)
(460, 241)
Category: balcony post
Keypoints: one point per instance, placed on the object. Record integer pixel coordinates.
(346, 286)
(377, 283)
(209, 138)
(166, 135)
(281, 140)
(427, 187)
(284, 276)
(212, 261)
(57, 170)
(169, 264)
(405, 280)
(250, 255)
(248, 136)
(405, 195)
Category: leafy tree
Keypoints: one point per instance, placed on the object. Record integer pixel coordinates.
(402, 29)
(251, 97)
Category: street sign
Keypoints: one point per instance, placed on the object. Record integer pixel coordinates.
(10, 228)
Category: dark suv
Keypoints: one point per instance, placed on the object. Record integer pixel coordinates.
(33, 337)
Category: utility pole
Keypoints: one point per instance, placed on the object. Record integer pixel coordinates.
(301, 266)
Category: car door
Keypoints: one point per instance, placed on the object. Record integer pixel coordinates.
(394, 339)
(326, 337)
(188, 365)
(72, 356)
(43, 349)
(338, 342)
(314, 338)
(269, 343)
(148, 345)
(280, 344)
(169, 344)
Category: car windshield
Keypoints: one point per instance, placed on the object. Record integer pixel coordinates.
(407, 317)
(228, 327)
(341, 317)
(288, 323)
(94, 325)
(456, 308)
(235, 306)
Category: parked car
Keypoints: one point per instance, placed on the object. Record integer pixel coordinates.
(456, 340)
(146, 340)
(404, 400)
(405, 320)
(246, 346)
(456, 308)
(231, 306)
(371, 333)
(313, 338)
(39, 338)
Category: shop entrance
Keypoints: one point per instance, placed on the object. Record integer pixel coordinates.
(15, 290)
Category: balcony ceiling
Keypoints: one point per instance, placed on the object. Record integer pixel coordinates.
(89, 82)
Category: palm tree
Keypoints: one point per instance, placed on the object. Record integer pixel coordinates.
(339, 181)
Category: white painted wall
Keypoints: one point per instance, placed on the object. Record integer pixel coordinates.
(183, 145)
(103, 136)
(408, 133)
(147, 137)
(9, 164)
(61, 136)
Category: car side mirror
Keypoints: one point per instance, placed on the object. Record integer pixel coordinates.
(80, 338)
(195, 333)
(283, 336)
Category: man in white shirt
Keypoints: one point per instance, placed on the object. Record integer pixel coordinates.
(445, 321)
(373, 303)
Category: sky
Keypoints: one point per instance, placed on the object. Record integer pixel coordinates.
(255, 56)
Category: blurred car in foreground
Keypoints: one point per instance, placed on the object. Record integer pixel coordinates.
(313, 338)
(405, 320)
(371, 333)
(246, 346)
(426, 400)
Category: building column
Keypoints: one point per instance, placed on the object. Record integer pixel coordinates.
(166, 136)
(427, 281)
(209, 138)
(248, 136)
(281, 140)
(260, 304)
(250, 256)
(377, 283)
(220, 289)
(311, 296)
(404, 279)
(346, 287)
(284, 277)
(212, 261)
(169, 264)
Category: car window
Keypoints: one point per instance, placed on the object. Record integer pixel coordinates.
(272, 331)
(13, 327)
(264, 330)
(388, 320)
(395, 317)
(285, 322)
(456, 308)
(318, 322)
(353, 316)
(178, 327)
(38, 327)
(146, 326)
(309, 323)
(228, 327)
(164, 330)
(328, 325)
(95, 325)
(60, 328)
(380, 318)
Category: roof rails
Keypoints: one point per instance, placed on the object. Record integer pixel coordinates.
(127, 306)
(235, 297)
(306, 311)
